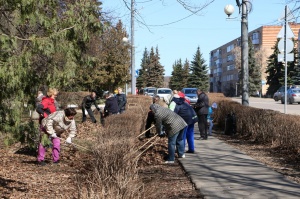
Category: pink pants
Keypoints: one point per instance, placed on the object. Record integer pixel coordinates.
(55, 150)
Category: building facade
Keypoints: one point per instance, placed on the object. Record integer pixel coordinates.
(225, 61)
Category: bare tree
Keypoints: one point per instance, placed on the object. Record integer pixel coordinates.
(237, 57)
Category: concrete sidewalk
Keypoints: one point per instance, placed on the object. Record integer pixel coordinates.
(221, 171)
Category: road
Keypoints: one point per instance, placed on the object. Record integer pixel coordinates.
(269, 103)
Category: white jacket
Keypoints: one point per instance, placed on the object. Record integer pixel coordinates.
(58, 123)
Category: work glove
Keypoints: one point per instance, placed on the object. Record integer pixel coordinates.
(69, 140)
(53, 135)
(162, 134)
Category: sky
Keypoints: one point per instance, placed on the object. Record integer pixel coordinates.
(209, 29)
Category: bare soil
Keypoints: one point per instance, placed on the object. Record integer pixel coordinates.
(21, 177)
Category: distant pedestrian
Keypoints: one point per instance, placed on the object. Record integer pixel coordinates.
(121, 98)
(111, 105)
(210, 117)
(201, 108)
(86, 106)
(53, 126)
(174, 126)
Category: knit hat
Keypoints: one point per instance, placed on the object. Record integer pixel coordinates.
(181, 94)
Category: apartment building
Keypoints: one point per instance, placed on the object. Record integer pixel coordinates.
(225, 62)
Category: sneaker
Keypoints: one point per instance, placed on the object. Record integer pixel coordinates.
(169, 162)
(183, 156)
(42, 163)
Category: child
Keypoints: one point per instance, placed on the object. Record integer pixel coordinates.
(210, 117)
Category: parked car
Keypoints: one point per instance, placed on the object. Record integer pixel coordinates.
(163, 92)
(293, 96)
(278, 94)
(149, 91)
(190, 94)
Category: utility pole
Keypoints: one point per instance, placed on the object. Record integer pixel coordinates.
(133, 80)
(245, 54)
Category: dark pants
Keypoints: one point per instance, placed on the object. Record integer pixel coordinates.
(149, 121)
(91, 114)
(202, 125)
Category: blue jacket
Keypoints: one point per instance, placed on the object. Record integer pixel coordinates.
(187, 112)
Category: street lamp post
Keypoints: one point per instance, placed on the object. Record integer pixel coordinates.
(244, 54)
(133, 80)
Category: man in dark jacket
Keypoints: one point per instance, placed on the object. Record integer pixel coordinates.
(121, 98)
(111, 105)
(201, 108)
(173, 125)
(87, 103)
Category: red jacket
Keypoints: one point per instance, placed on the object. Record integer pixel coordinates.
(46, 107)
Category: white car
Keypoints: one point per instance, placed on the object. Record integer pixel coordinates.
(163, 92)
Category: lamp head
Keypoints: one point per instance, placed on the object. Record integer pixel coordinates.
(125, 40)
(229, 9)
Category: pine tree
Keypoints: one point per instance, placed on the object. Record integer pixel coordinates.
(296, 72)
(275, 71)
(177, 76)
(155, 69)
(254, 71)
(199, 76)
(185, 74)
(143, 72)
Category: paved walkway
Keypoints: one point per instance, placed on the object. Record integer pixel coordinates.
(221, 171)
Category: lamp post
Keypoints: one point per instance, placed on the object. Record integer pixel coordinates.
(244, 7)
(132, 50)
(133, 80)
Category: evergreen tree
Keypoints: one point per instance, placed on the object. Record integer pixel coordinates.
(111, 69)
(275, 71)
(254, 70)
(155, 70)
(185, 73)
(41, 43)
(177, 76)
(199, 76)
(296, 68)
(143, 72)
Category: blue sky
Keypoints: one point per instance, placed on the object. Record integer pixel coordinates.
(180, 40)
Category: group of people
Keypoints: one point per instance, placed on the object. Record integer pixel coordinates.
(176, 120)
(114, 104)
(54, 122)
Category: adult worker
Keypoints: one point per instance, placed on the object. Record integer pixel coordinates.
(87, 103)
(53, 126)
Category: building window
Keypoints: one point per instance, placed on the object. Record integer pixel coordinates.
(255, 38)
(230, 48)
(231, 67)
(229, 58)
